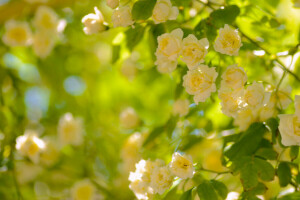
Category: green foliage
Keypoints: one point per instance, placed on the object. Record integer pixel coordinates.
(284, 174)
(142, 9)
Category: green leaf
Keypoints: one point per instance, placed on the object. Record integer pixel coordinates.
(204, 29)
(187, 195)
(142, 9)
(265, 170)
(284, 174)
(294, 151)
(249, 177)
(272, 125)
(248, 144)
(224, 16)
(206, 191)
(170, 125)
(115, 53)
(134, 36)
(220, 188)
(267, 153)
(184, 3)
(154, 134)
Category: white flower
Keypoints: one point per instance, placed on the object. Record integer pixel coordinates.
(130, 151)
(93, 23)
(200, 82)
(70, 130)
(30, 145)
(17, 33)
(163, 11)
(289, 128)
(43, 43)
(129, 119)
(255, 96)
(141, 189)
(122, 17)
(46, 19)
(245, 117)
(164, 65)
(141, 178)
(83, 190)
(181, 107)
(267, 111)
(161, 179)
(194, 50)
(182, 166)
(112, 3)
(228, 42)
(169, 45)
(231, 100)
(234, 77)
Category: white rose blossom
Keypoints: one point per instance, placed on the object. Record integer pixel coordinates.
(289, 126)
(94, 23)
(228, 42)
(168, 50)
(70, 130)
(30, 145)
(182, 166)
(163, 11)
(129, 118)
(181, 107)
(200, 82)
(83, 190)
(161, 179)
(46, 19)
(194, 50)
(234, 77)
(122, 17)
(17, 33)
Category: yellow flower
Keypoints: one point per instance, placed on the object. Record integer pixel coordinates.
(30, 145)
(181, 107)
(182, 166)
(17, 34)
(200, 82)
(234, 77)
(43, 44)
(228, 42)
(93, 23)
(46, 19)
(161, 179)
(129, 119)
(194, 50)
(70, 130)
(83, 190)
(163, 11)
(112, 3)
(122, 17)
(164, 65)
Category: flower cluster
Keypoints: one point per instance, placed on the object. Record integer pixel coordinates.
(151, 177)
(248, 104)
(46, 23)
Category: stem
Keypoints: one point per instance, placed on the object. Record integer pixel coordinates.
(212, 171)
